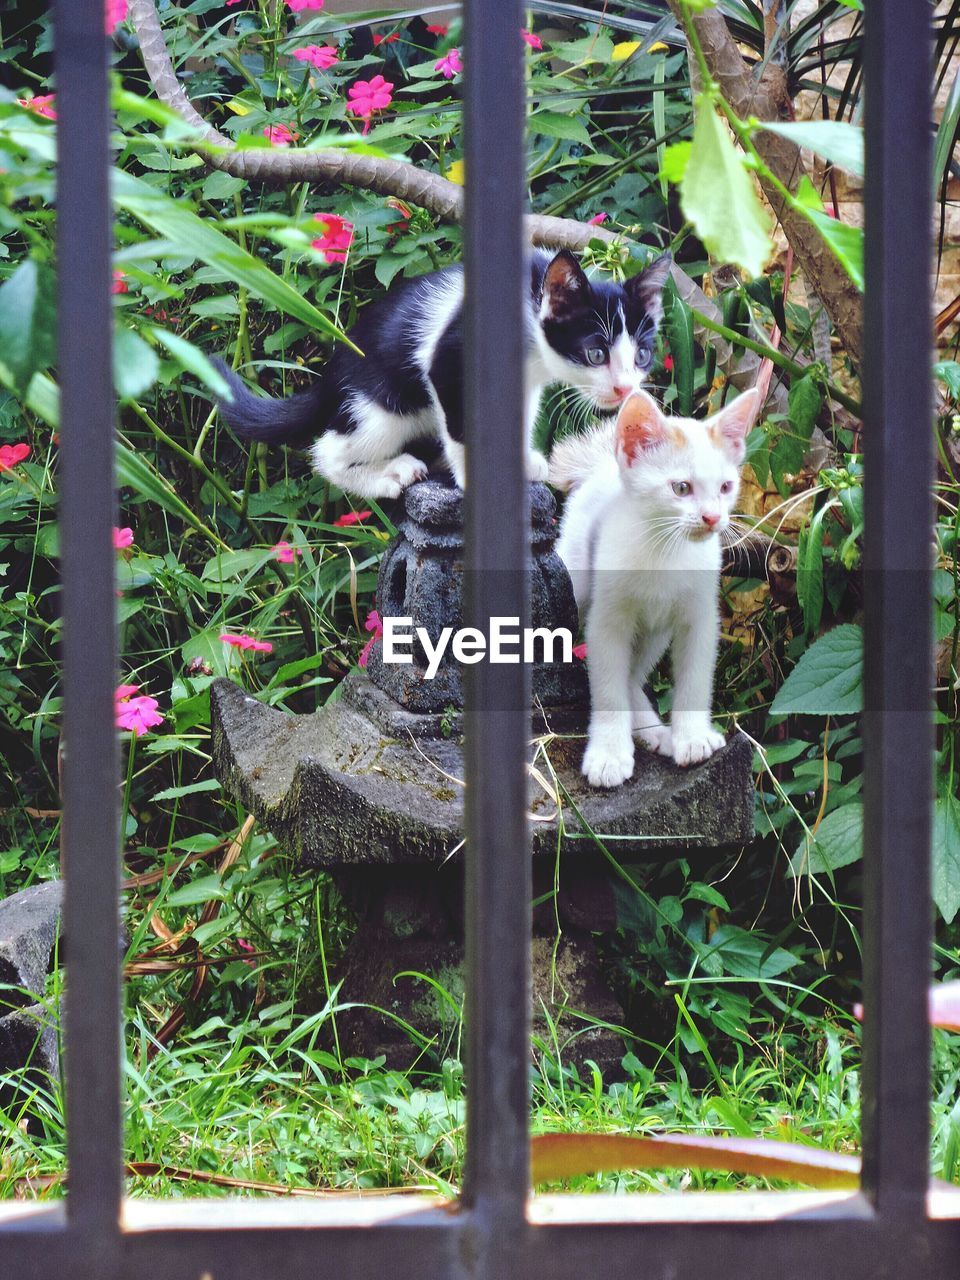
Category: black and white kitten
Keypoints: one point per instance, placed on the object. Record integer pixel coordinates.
(596, 336)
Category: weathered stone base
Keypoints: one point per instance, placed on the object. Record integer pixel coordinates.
(373, 794)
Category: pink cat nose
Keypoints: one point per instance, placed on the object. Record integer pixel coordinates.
(710, 518)
(622, 392)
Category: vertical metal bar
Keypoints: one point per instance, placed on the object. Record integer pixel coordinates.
(898, 675)
(87, 505)
(497, 536)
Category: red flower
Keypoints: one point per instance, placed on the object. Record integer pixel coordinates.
(580, 651)
(336, 239)
(438, 28)
(668, 363)
(11, 454)
(450, 65)
(390, 39)
(352, 517)
(139, 715)
(532, 40)
(374, 624)
(119, 284)
(286, 553)
(114, 13)
(248, 642)
(321, 56)
(368, 96)
(280, 135)
(42, 106)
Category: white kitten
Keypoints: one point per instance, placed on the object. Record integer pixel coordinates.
(641, 539)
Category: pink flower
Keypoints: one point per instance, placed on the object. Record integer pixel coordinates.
(450, 64)
(114, 13)
(122, 538)
(233, 2)
(280, 135)
(286, 553)
(352, 517)
(297, 6)
(139, 715)
(248, 642)
(119, 284)
(438, 28)
(580, 651)
(244, 945)
(597, 219)
(532, 40)
(11, 454)
(42, 106)
(336, 239)
(668, 363)
(390, 39)
(368, 96)
(374, 624)
(321, 56)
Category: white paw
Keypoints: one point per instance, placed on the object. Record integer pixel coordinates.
(607, 764)
(698, 747)
(538, 468)
(404, 470)
(658, 738)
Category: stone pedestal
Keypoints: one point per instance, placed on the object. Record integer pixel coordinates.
(370, 789)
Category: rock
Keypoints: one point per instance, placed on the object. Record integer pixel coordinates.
(29, 925)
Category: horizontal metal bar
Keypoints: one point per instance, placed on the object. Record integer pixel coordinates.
(90, 800)
(898, 648)
(498, 876)
(792, 1235)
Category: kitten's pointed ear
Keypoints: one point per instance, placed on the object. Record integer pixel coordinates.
(640, 426)
(729, 427)
(564, 285)
(647, 287)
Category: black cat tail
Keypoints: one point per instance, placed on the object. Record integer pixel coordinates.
(294, 421)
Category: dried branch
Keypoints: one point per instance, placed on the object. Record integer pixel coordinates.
(394, 178)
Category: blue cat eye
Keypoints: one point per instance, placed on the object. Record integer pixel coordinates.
(682, 488)
(644, 356)
(596, 355)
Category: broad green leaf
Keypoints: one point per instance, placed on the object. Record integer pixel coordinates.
(946, 856)
(676, 157)
(718, 197)
(744, 955)
(174, 793)
(194, 361)
(231, 564)
(135, 364)
(198, 236)
(943, 148)
(206, 889)
(28, 321)
(803, 403)
(810, 574)
(838, 843)
(828, 679)
(835, 141)
(678, 330)
(553, 124)
(845, 242)
(948, 372)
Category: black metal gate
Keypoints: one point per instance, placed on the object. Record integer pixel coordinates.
(892, 1227)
